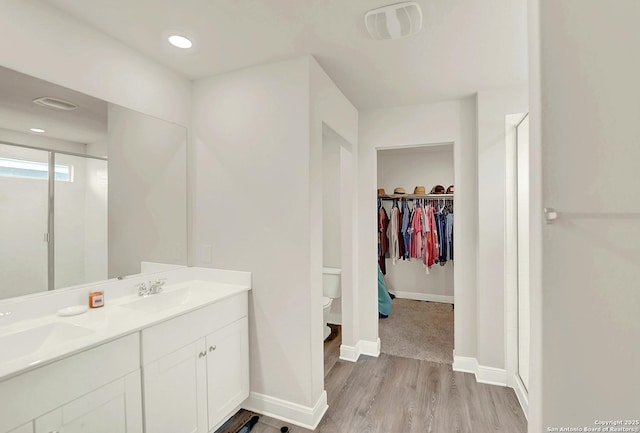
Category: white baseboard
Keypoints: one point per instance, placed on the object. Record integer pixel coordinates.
(369, 348)
(423, 297)
(293, 413)
(488, 375)
(491, 375)
(349, 353)
(522, 394)
(465, 364)
(362, 347)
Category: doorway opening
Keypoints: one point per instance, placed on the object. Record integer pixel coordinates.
(338, 232)
(415, 251)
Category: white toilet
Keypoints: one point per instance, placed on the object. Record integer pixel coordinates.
(331, 289)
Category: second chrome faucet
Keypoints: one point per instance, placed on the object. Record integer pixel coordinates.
(153, 288)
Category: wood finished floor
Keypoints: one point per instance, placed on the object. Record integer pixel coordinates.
(391, 394)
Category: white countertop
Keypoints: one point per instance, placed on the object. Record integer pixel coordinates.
(193, 289)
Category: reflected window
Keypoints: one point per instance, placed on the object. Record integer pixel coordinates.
(34, 170)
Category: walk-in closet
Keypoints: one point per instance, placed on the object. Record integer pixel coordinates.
(416, 228)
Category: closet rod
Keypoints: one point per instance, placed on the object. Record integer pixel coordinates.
(415, 196)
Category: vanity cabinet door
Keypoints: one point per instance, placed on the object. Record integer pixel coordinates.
(175, 391)
(227, 369)
(113, 408)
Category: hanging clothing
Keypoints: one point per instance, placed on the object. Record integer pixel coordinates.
(416, 233)
(406, 235)
(441, 221)
(434, 250)
(383, 242)
(392, 233)
(449, 235)
(424, 232)
(401, 246)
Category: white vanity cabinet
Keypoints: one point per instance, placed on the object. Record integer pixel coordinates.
(196, 368)
(113, 408)
(227, 369)
(95, 391)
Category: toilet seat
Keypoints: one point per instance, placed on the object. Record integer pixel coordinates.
(326, 302)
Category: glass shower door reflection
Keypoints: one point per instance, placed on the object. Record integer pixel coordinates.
(80, 220)
(24, 197)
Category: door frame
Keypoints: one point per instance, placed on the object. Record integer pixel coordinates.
(511, 261)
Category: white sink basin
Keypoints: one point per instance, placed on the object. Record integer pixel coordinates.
(32, 340)
(164, 300)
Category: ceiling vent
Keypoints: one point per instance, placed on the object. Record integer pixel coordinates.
(395, 21)
(55, 103)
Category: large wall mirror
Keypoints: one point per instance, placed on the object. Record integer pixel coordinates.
(88, 190)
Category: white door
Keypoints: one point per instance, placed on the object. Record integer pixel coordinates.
(227, 369)
(113, 408)
(175, 398)
(590, 148)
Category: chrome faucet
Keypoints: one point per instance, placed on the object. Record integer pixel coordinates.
(142, 289)
(156, 286)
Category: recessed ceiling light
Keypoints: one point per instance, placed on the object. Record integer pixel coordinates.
(180, 41)
(37, 130)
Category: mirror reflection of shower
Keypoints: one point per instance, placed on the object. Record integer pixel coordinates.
(54, 221)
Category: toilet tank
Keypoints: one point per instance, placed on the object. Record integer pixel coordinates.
(331, 282)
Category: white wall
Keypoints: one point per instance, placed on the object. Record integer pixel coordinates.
(257, 191)
(426, 166)
(39, 40)
(587, 130)
(493, 107)
(331, 110)
(69, 224)
(331, 240)
(40, 141)
(147, 191)
(445, 122)
(251, 195)
(96, 236)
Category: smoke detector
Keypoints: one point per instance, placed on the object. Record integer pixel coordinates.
(395, 21)
(55, 103)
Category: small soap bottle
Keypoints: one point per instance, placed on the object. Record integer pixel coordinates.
(96, 299)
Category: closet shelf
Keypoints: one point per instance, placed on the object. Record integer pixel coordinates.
(415, 196)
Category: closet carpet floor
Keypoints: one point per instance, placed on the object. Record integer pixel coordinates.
(393, 394)
(418, 330)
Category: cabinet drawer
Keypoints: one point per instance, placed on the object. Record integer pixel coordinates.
(178, 332)
(25, 397)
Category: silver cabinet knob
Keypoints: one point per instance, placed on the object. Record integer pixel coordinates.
(212, 348)
(202, 354)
